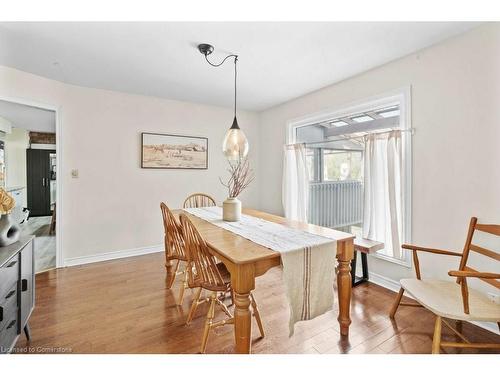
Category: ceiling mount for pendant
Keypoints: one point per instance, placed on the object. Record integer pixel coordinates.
(206, 49)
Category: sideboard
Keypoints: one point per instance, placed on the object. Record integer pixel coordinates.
(17, 291)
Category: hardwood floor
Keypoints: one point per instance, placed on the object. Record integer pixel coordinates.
(122, 306)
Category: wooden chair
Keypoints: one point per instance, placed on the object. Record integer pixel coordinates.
(205, 273)
(174, 248)
(199, 200)
(453, 299)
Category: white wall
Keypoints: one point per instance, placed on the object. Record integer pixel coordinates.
(114, 204)
(16, 144)
(456, 155)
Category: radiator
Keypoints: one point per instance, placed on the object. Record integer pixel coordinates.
(336, 204)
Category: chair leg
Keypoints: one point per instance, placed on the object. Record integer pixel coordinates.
(224, 308)
(194, 306)
(184, 286)
(396, 303)
(436, 340)
(232, 300)
(208, 322)
(256, 314)
(174, 273)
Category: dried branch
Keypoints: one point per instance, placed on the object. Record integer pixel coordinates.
(240, 177)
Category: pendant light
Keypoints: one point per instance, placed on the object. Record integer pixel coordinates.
(235, 145)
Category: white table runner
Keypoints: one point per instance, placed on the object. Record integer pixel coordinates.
(308, 260)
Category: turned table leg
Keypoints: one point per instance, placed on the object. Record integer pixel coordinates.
(345, 253)
(243, 282)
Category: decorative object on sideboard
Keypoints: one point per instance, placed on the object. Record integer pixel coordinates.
(166, 151)
(240, 177)
(235, 145)
(9, 229)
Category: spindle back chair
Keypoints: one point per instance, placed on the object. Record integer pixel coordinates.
(174, 248)
(199, 200)
(206, 273)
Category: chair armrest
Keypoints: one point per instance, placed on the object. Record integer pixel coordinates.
(481, 275)
(429, 250)
(462, 279)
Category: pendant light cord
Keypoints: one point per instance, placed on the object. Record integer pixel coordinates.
(235, 73)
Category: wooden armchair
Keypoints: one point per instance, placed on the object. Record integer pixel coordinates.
(453, 299)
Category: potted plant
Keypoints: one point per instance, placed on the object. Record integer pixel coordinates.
(240, 177)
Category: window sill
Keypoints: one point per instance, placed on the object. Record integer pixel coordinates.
(401, 262)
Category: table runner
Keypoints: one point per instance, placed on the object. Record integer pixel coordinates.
(308, 260)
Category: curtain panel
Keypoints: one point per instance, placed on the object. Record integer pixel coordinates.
(295, 185)
(382, 215)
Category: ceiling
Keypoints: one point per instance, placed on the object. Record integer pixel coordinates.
(27, 117)
(278, 61)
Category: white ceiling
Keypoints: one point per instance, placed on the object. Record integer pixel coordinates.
(278, 61)
(27, 117)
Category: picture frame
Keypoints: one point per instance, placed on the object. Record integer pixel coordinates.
(173, 151)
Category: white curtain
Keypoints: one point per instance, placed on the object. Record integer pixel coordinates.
(382, 218)
(295, 186)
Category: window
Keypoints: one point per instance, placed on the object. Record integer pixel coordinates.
(362, 118)
(336, 157)
(311, 164)
(342, 165)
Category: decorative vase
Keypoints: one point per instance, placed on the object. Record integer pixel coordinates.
(231, 209)
(9, 230)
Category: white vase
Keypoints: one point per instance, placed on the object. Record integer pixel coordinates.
(9, 230)
(231, 209)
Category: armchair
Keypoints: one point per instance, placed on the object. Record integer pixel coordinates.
(454, 299)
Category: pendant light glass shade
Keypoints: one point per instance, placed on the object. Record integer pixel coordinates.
(235, 145)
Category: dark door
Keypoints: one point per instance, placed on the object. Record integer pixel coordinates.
(38, 181)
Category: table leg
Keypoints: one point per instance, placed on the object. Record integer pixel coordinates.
(345, 254)
(243, 282)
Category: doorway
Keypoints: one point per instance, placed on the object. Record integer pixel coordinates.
(30, 165)
(40, 168)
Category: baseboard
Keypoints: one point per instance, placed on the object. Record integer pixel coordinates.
(393, 285)
(112, 255)
(384, 282)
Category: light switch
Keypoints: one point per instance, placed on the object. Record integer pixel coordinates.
(74, 173)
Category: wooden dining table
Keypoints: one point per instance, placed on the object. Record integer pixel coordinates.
(247, 260)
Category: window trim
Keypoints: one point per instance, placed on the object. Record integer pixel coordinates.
(401, 97)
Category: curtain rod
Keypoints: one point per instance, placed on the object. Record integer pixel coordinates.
(411, 130)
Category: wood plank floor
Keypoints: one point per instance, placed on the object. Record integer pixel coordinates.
(123, 306)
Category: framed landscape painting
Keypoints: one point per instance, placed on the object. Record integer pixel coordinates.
(166, 151)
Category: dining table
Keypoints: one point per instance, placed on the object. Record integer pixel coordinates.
(247, 260)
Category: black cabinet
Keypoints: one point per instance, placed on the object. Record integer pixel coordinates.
(38, 177)
(17, 291)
